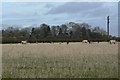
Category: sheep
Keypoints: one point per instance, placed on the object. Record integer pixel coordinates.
(85, 41)
(23, 42)
(112, 41)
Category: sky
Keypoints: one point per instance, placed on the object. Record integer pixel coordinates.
(57, 13)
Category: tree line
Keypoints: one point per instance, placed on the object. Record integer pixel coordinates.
(72, 32)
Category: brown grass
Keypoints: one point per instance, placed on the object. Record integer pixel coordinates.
(45, 60)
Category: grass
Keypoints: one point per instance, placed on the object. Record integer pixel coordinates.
(75, 60)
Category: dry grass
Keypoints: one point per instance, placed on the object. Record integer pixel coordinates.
(45, 60)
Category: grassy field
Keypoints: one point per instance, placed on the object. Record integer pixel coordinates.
(45, 60)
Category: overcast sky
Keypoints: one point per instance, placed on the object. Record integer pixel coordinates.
(56, 13)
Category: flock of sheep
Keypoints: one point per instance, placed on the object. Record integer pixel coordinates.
(84, 41)
(111, 41)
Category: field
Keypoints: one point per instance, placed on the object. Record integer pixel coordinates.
(45, 60)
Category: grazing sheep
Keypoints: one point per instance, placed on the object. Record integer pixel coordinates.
(112, 41)
(85, 41)
(23, 42)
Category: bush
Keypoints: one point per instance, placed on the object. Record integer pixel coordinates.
(10, 40)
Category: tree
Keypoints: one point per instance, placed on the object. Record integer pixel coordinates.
(23, 34)
(70, 34)
(95, 35)
(69, 31)
(53, 31)
(57, 30)
(44, 30)
(63, 28)
(32, 32)
(87, 26)
(10, 32)
(84, 32)
(60, 31)
(97, 29)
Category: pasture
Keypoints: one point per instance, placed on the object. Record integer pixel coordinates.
(45, 60)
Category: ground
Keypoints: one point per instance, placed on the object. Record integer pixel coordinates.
(45, 60)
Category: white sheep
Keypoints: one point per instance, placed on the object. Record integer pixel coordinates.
(23, 42)
(85, 41)
(112, 41)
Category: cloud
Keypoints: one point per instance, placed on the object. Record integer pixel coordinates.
(48, 5)
(86, 9)
(75, 7)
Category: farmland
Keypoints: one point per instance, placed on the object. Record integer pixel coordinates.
(45, 60)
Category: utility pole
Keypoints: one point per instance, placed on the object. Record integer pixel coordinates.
(108, 25)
